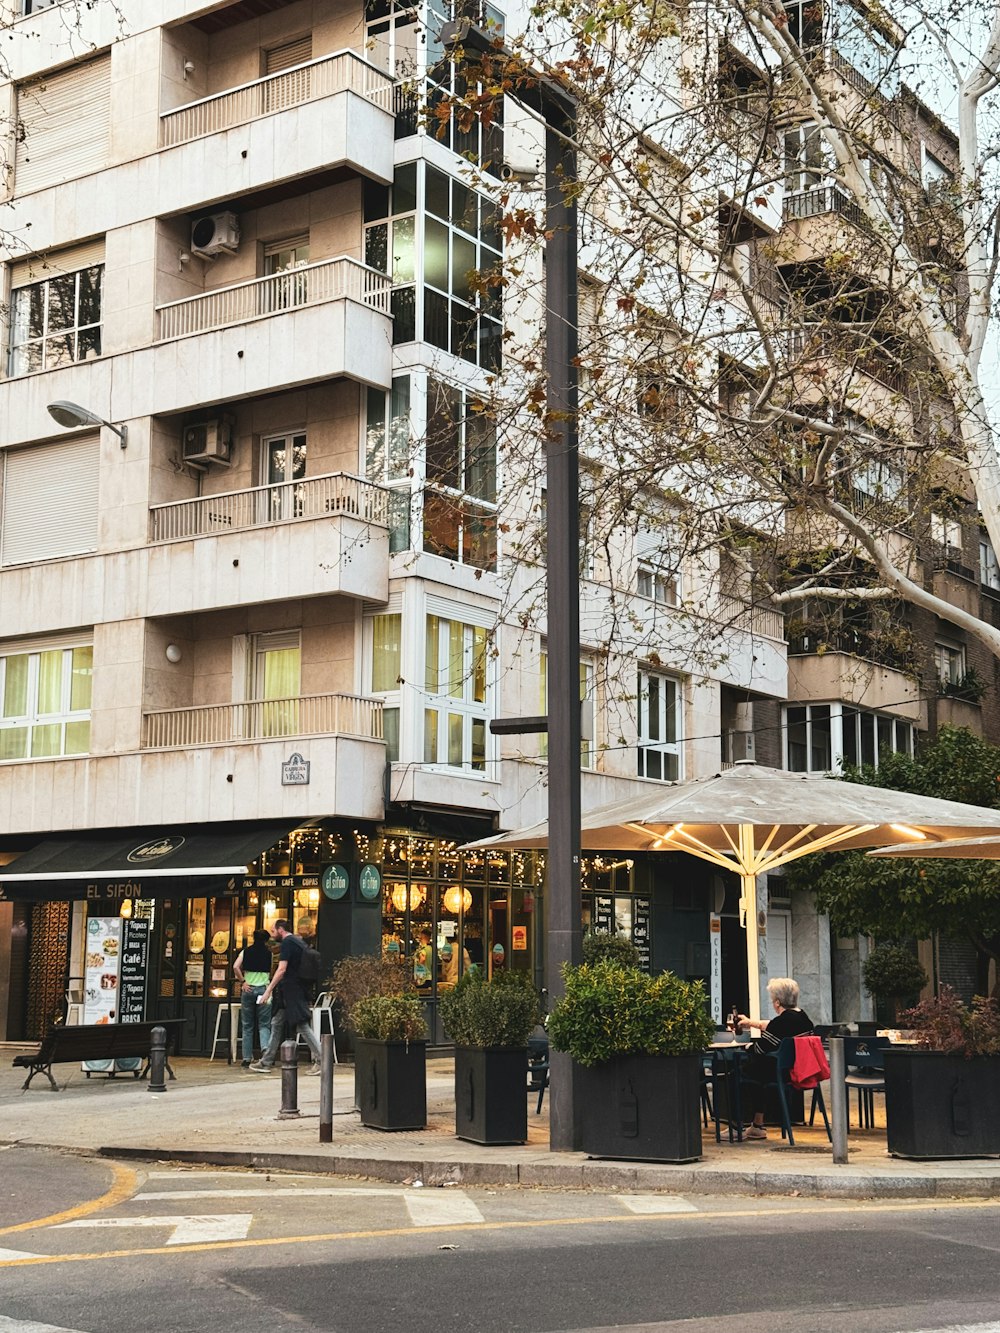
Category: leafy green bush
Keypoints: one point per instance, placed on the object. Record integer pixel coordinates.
(501, 1012)
(361, 975)
(609, 1010)
(389, 1018)
(600, 944)
(891, 971)
(944, 1023)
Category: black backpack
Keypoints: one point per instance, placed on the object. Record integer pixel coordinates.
(310, 964)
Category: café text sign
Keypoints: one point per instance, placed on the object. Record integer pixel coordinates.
(295, 771)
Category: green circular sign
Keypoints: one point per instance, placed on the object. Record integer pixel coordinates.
(335, 881)
(370, 883)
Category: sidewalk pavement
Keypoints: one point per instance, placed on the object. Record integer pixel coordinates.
(226, 1116)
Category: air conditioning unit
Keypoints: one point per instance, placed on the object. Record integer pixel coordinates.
(208, 441)
(215, 234)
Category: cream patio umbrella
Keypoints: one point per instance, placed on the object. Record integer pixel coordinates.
(958, 849)
(751, 820)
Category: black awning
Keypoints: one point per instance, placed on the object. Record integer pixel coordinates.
(150, 861)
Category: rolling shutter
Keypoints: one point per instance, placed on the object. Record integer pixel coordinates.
(64, 126)
(36, 268)
(49, 500)
(291, 53)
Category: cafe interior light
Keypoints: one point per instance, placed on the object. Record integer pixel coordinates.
(405, 895)
(125, 911)
(456, 898)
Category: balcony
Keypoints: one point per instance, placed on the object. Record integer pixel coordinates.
(340, 279)
(336, 493)
(263, 719)
(344, 71)
(840, 675)
(825, 199)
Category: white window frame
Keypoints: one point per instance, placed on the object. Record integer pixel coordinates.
(649, 744)
(17, 349)
(464, 705)
(842, 717)
(950, 662)
(391, 699)
(31, 717)
(989, 566)
(657, 584)
(946, 530)
(588, 708)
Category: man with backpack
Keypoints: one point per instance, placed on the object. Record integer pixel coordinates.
(290, 1007)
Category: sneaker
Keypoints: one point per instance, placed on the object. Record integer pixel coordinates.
(245, 1064)
(755, 1132)
(256, 1067)
(314, 1068)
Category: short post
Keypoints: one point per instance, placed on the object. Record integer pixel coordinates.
(326, 1088)
(838, 1100)
(157, 1060)
(289, 1081)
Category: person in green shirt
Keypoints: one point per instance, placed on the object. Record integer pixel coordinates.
(253, 970)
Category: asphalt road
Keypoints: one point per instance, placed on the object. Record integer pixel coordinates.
(95, 1247)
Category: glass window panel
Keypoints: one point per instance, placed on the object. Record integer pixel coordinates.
(441, 523)
(490, 344)
(436, 193)
(489, 225)
(375, 435)
(81, 680)
(78, 737)
(403, 250)
(670, 707)
(436, 254)
(390, 733)
(436, 328)
(60, 351)
(653, 708)
(46, 740)
(376, 199)
(403, 304)
(868, 754)
(851, 728)
(15, 688)
(464, 208)
(798, 753)
(443, 434)
(88, 343)
(456, 659)
(671, 768)
(377, 247)
(29, 312)
(404, 189)
(430, 736)
(885, 745)
(464, 331)
(61, 304)
(50, 675)
(479, 540)
(90, 295)
(386, 652)
(463, 264)
(399, 428)
(479, 664)
(478, 743)
(432, 674)
(456, 735)
(820, 751)
(13, 742)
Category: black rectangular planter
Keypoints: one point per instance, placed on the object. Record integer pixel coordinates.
(642, 1108)
(939, 1105)
(491, 1094)
(391, 1083)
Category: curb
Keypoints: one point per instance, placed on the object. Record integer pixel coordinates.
(581, 1175)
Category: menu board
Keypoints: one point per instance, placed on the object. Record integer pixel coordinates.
(604, 914)
(135, 964)
(100, 969)
(640, 931)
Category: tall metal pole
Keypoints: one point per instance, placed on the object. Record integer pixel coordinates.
(563, 599)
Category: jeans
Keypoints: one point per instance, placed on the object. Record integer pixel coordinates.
(303, 1030)
(254, 1014)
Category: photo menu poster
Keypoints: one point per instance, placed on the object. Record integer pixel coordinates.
(641, 911)
(100, 969)
(135, 963)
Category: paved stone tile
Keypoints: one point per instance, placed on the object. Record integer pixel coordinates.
(555, 1175)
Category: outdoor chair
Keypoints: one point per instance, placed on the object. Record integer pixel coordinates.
(863, 1061)
(784, 1059)
(538, 1068)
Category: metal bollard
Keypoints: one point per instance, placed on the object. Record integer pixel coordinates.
(289, 1081)
(157, 1060)
(326, 1088)
(838, 1100)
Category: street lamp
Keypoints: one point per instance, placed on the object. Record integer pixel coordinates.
(548, 97)
(72, 415)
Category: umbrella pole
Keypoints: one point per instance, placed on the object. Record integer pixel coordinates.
(749, 905)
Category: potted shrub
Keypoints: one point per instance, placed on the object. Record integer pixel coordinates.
(638, 1041)
(942, 1095)
(490, 1022)
(359, 976)
(390, 1061)
(891, 973)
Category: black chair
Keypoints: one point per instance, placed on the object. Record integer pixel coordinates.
(865, 1073)
(784, 1059)
(538, 1068)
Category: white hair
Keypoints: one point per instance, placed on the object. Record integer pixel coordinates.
(785, 991)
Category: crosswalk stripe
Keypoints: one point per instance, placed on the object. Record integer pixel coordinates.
(17, 1254)
(963, 1328)
(30, 1326)
(433, 1209)
(183, 1230)
(656, 1203)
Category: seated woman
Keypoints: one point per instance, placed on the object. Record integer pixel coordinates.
(789, 1021)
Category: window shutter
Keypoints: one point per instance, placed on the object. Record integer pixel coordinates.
(37, 268)
(50, 500)
(64, 126)
(284, 57)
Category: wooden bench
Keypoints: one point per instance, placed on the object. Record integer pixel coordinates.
(96, 1041)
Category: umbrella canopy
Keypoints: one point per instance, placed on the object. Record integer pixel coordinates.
(752, 820)
(959, 849)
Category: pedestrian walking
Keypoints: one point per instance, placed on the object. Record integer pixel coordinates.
(252, 970)
(290, 1014)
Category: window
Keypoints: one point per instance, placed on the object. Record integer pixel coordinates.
(479, 142)
(284, 261)
(45, 702)
(659, 723)
(55, 321)
(284, 462)
(949, 660)
(821, 738)
(937, 179)
(386, 632)
(989, 570)
(588, 710)
(275, 664)
(461, 479)
(440, 243)
(33, 6)
(806, 158)
(49, 500)
(946, 531)
(878, 480)
(389, 455)
(805, 23)
(392, 37)
(455, 711)
(657, 575)
(63, 128)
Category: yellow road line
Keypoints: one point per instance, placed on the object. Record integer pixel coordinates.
(921, 1205)
(124, 1183)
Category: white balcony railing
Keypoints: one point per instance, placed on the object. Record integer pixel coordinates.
(764, 621)
(341, 72)
(311, 284)
(263, 506)
(263, 719)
